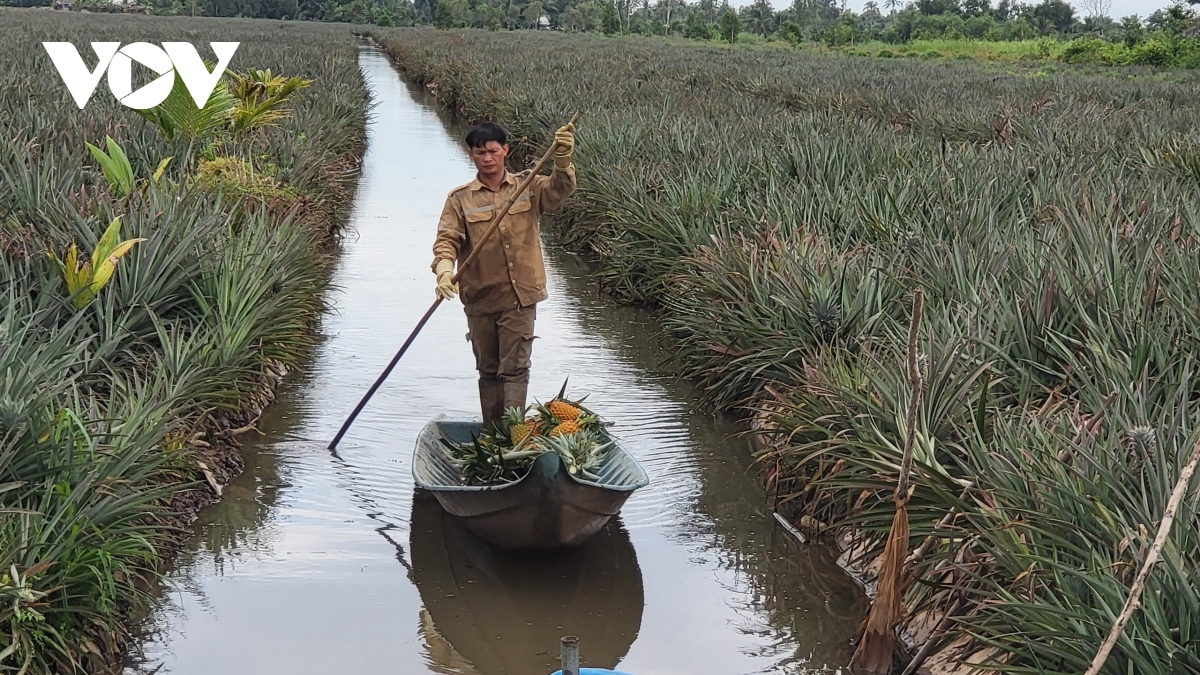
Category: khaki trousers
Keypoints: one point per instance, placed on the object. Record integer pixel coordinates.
(503, 346)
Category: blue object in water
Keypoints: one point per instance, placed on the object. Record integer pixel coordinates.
(594, 671)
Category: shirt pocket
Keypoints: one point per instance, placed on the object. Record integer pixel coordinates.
(521, 216)
(523, 204)
(478, 219)
(479, 214)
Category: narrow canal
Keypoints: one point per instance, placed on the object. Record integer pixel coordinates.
(319, 563)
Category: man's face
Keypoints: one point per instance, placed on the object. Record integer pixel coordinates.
(489, 160)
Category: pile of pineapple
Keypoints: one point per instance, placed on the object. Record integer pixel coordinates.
(504, 452)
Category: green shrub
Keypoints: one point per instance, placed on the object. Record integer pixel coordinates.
(1158, 51)
(1092, 51)
(697, 27)
(730, 26)
(791, 32)
(236, 177)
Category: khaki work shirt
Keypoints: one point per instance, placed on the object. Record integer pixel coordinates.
(509, 272)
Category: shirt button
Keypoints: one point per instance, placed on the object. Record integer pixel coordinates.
(501, 228)
(510, 264)
(506, 246)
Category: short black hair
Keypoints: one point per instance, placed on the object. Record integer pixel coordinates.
(485, 132)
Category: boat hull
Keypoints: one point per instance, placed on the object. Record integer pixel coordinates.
(546, 508)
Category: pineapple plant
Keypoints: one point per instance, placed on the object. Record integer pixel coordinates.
(1141, 443)
(825, 316)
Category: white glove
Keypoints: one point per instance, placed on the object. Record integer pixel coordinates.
(446, 290)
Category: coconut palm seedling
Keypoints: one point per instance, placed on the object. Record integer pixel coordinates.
(117, 169)
(178, 117)
(260, 95)
(86, 279)
(254, 99)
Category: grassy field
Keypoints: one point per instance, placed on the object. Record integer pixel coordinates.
(780, 209)
(118, 390)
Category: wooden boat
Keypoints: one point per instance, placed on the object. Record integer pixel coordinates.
(546, 508)
(493, 612)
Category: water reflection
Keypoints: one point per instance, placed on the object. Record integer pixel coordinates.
(251, 501)
(502, 612)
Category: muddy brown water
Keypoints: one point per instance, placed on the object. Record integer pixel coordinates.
(320, 563)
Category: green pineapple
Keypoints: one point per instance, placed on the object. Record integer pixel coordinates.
(825, 316)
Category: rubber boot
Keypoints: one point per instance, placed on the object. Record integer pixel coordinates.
(491, 400)
(514, 394)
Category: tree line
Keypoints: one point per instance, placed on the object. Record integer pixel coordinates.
(804, 21)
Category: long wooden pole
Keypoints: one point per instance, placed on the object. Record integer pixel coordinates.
(476, 247)
(1139, 584)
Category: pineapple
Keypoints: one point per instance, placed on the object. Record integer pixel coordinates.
(504, 451)
(518, 427)
(565, 428)
(825, 316)
(564, 416)
(1141, 442)
(563, 411)
(1143, 439)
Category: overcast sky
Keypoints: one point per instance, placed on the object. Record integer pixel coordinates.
(1120, 8)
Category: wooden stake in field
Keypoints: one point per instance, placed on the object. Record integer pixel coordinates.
(873, 655)
(1139, 584)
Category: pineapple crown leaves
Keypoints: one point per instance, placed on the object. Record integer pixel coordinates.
(581, 452)
(562, 395)
(515, 415)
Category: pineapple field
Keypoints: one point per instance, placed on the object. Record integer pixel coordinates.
(161, 272)
(779, 210)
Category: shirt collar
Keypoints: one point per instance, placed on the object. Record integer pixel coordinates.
(477, 184)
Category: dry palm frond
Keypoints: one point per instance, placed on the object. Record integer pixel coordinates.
(873, 654)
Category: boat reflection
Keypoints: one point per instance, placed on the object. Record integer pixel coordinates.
(495, 612)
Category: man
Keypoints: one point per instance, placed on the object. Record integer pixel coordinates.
(501, 288)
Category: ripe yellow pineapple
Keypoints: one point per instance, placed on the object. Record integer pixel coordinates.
(518, 426)
(564, 411)
(565, 428)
